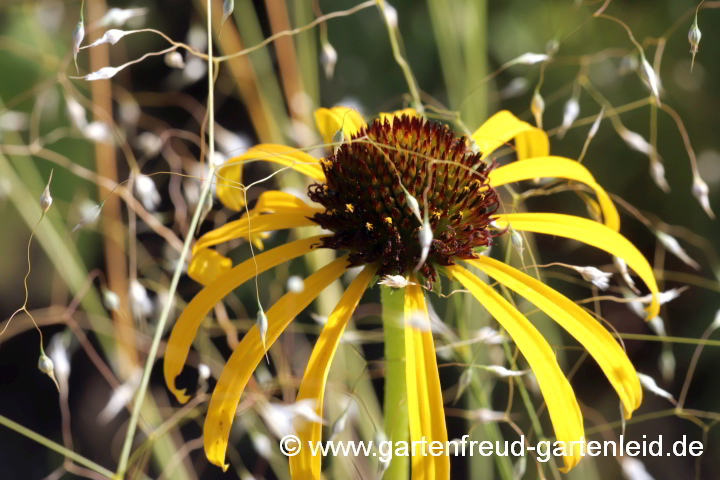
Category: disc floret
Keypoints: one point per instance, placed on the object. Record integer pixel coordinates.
(374, 180)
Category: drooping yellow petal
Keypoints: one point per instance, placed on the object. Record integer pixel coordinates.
(562, 405)
(207, 265)
(502, 127)
(410, 112)
(590, 232)
(249, 352)
(305, 466)
(242, 227)
(257, 239)
(330, 120)
(416, 385)
(229, 176)
(186, 326)
(278, 202)
(585, 329)
(556, 167)
(424, 394)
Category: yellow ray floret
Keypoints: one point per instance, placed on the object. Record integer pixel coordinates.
(229, 176)
(278, 202)
(590, 232)
(560, 399)
(186, 326)
(330, 120)
(305, 466)
(502, 127)
(207, 265)
(249, 352)
(585, 329)
(245, 226)
(269, 202)
(556, 167)
(424, 394)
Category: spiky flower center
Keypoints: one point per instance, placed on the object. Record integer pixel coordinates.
(366, 202)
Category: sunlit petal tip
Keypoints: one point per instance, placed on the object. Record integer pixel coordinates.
(257, 240)
(206, 265)
(502, 127)
(389, 116)
(173, 364)
(229, 176)
(180, 394)
(329, 120)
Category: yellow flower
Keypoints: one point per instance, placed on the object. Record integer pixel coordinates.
(388, 170)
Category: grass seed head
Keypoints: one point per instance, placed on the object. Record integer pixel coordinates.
(328, 59)
(77, 37)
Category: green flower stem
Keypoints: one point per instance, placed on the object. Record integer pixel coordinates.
(307, 49)
(395, 44)
(79, 459)
(396, 409)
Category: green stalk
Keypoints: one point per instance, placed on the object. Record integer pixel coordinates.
(160, 328)
(79, 459)
(475, 47)
(463, 55)
(268, 84)
(449, 48)
(396, 409)
(409, 78)
(307, 49)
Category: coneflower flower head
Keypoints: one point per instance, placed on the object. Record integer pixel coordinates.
(368, 189)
